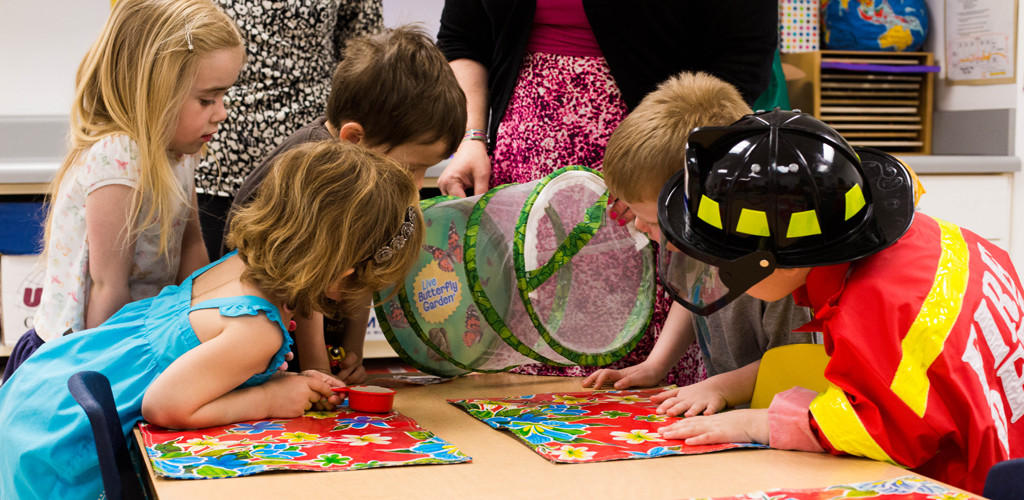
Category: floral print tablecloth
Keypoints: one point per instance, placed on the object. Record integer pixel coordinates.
(591, 426)
(901, 488)
(318, 441)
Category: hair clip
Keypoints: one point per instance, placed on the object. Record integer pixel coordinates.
(386, 252)
(188, 35)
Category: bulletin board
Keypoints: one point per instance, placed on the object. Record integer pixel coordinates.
(981, 42)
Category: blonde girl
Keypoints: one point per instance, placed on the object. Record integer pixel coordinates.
(332, 221)
(123, 221)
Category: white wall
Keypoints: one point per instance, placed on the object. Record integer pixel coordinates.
(964, 97)
(1017, 217)
(43, 42)
(425, 12)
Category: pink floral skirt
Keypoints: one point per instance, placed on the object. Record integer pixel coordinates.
(562, 112)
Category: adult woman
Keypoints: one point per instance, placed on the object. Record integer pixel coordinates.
(292, 51)
(555, 77)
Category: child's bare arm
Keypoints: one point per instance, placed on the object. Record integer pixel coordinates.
(193, 250)
(111, 252)
(357, 317)
(676, 337)
(199, 389)
(309, 343)
(712, 395)
(312, 349)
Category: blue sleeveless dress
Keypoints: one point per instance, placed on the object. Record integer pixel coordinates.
(47, 448)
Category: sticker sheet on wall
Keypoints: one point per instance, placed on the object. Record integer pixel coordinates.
(798, 26)
(517, 275)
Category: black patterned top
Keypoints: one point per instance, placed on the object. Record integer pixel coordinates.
(293, 47)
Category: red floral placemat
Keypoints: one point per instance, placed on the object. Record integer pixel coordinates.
(318, 441)
(591, 426)
(901, 488)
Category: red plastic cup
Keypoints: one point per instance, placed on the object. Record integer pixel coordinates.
(368, 398)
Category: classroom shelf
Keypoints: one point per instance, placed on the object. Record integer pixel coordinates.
(876, 99)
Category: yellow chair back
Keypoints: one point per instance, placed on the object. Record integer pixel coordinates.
(788, 366)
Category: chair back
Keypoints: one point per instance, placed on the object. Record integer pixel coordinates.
(92, 392)
(1005, 480)
(788, 366)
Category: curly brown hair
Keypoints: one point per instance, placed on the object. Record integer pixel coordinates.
(324, 208)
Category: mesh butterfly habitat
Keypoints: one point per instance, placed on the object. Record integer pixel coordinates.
(524, 273)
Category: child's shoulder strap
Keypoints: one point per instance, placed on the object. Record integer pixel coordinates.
(242, 305)
(251, 305)
(203, 269)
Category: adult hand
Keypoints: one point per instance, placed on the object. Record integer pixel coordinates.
(469, 168)
(737, 426)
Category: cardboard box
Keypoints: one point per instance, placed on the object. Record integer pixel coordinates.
(21, 287)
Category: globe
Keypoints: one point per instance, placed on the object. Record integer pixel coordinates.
(889, 25)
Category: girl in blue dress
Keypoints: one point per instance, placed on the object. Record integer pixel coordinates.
(331, 222)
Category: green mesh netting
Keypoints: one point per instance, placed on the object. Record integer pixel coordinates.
(525, 273)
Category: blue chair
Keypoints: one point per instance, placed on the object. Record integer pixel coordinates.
(92, 392)
(1005, 480)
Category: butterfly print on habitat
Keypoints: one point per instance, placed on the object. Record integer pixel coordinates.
(446, 258)
(474, 331)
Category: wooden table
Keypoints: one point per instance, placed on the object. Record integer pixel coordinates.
(502, 467)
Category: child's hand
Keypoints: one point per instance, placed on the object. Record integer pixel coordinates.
(641, 375)
(352, 371)
(737, 426)
(291, 396)
(287, 357)
(333, 400)
(690, 401)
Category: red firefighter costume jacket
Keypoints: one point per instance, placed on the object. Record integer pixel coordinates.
(926, 354)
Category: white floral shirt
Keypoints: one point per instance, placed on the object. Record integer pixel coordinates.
(112, 160)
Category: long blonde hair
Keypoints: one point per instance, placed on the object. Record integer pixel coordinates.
(326, 207)
(133, 81)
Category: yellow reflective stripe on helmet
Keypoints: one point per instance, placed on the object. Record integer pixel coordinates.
(708, 211)
(803, 224)
(938, 313)
(854, 201)
(843, 428)
(753, 222)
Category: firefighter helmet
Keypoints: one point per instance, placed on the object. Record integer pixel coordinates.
(775, 189)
